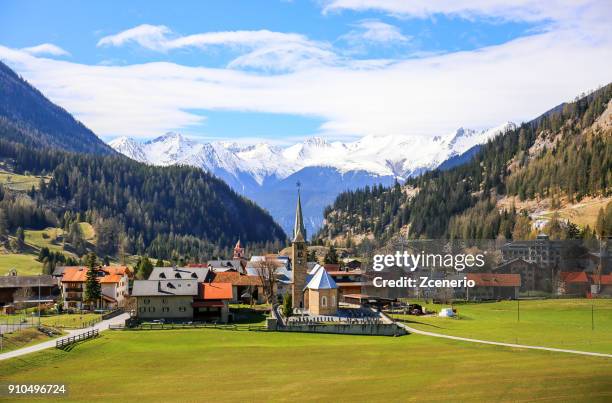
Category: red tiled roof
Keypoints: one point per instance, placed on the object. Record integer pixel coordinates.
(236, 278)
(216, 291)
(574, 277)
(74, 274)
(329, 267)
(495, 279)
(604, 279)
(78, 274)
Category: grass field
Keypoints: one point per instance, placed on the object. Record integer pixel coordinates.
(25, 264)
(223, 365)
(69, 320)
(19, 182)
(563, 323)
(22, 338)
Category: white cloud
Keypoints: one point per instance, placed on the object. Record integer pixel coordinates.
(263, 48)
(375, 32)
(521, 10)
(428, 96)
(46, 49)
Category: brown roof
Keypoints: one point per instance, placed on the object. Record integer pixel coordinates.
(236, 278)
(495, 279)
(74, 274)
(604, 279)
(217, 291)
(78, 274)
(329, 267)
(574, 277)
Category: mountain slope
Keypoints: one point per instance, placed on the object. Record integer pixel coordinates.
(134, 207)
(268, 174)
(565, 152)
(27, 116)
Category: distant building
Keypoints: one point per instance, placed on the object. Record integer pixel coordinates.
(14, 288)
(527, 270)
(494, 286)
(114, 284)
(321, 294)
(575, 283)
(167, 299)
(601, 284)
(212, 304)
(541, 251)
(200, 274)
(299, 258)
(245, 288)
(227, 265)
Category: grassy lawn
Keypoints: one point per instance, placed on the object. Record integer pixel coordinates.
(69, 320)
(562, 323)
(22, 338)
(25, 264)
(224, 365)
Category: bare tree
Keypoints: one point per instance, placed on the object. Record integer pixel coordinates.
(267, 269)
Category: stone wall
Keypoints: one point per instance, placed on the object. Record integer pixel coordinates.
(356, 329)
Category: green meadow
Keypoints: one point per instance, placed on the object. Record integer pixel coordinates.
(225, 365)
(561, 323)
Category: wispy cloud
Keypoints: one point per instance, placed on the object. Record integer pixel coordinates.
(46, 49)
(263, 49)
(430, 95)
(518, 10)
(375, 32)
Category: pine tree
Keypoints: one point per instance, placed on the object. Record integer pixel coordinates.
(144, 268)
(93, 290)
(287, 305)
(331, 257)
(19, 239)
(3, 225)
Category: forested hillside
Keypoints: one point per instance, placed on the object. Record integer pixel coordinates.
(26, 116)
(565, 154)
(134, 208)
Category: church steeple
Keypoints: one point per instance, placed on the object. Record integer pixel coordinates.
(298, 229)
(299, 256)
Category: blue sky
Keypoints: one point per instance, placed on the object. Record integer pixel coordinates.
(283, 70)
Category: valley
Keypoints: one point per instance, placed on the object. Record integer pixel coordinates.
(268, 174)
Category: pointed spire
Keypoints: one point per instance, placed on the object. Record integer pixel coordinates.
(299, 232)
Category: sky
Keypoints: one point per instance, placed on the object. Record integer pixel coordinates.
(281, 71)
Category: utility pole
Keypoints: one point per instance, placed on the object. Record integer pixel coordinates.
(39, 300)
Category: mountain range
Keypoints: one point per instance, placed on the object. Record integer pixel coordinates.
(268, 174)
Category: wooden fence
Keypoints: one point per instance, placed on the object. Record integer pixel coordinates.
(66, 341)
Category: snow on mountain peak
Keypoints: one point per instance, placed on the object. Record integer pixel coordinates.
(399, 156)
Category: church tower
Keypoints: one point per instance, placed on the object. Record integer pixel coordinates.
(299, 257)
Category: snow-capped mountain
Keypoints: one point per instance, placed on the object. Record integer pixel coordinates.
(267, 173)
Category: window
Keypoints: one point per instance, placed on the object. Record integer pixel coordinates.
(164, 301)
(323, 301)
(146, 301)
(165, 309)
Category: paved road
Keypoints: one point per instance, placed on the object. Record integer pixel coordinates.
(445, 336)
(101, 326)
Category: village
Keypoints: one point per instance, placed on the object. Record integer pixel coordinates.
(300, 295)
